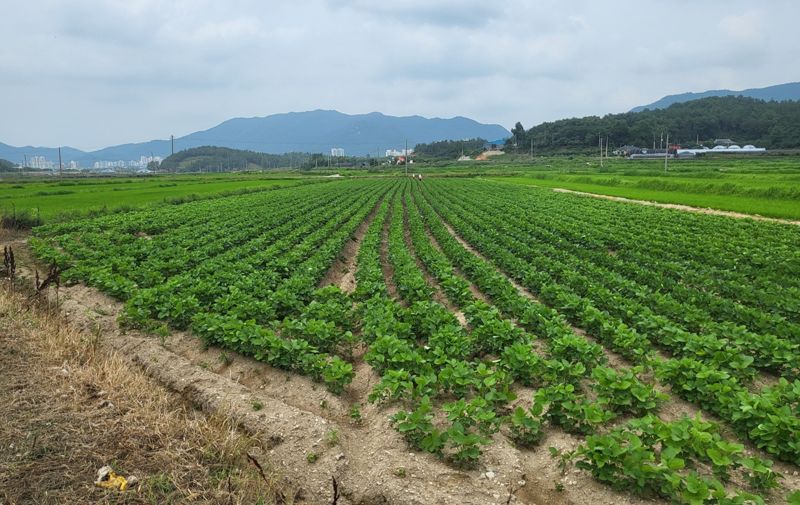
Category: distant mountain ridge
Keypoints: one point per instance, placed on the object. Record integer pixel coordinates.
(313, 131)
(779, 92)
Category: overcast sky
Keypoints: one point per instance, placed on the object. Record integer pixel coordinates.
(94, 73)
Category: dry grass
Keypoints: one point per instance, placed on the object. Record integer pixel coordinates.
(69, 406)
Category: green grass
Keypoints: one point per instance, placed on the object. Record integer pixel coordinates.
(49, 199)
(766, 185)
(789, 209)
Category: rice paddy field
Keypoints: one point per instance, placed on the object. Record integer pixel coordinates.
(474, 341)
(49, 198)
(768, 186)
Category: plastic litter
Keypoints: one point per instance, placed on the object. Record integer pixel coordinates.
(107, 478)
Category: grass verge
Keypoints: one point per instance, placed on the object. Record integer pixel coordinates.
(70, 406)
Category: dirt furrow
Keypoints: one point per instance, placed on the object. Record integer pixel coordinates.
(386, 265)
(342, 272)
(473, 289)
(438, 294)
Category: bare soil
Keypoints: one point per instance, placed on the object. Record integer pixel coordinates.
(386, 265)
(342, 272)
(485, 155)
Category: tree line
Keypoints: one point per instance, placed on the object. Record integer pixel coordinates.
(224, 159)
(772, 124)
(7, 166)
(450, 149)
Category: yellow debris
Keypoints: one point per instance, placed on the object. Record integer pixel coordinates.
(108, 479)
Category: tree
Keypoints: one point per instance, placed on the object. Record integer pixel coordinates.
(450, 149)
(518, 135)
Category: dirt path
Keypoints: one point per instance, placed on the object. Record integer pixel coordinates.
(686, 208)
(342, 272)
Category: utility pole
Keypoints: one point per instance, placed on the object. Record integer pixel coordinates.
(606, 147)
(531, 145)
(172, 143)
(406, 153)
(666, 154)
(60, 165)
(600, 143)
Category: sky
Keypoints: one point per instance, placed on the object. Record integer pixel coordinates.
(89, 74)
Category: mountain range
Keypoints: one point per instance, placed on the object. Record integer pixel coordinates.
(779, 93)
(313, 131)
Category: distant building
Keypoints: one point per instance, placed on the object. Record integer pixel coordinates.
(393, 153)
(723, 142)
(337, 152)
(627, 150)
(494, 145)
(41, 163)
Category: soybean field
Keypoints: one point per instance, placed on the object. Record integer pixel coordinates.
(497, 329)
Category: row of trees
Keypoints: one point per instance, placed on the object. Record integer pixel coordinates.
(449, 149)
(224, 159)
(745, 120)
(6, 166)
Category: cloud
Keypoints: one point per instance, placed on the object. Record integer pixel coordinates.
(97, 72)
(444, 13)
(746, 27)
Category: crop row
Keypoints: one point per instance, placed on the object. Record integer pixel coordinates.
(560, 403)
(648, 311)
(255, 293)
(698, 376)
(457, 363)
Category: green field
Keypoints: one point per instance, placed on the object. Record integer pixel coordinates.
(49, 199)
(767, 185)
(764, 186)
(623, 311)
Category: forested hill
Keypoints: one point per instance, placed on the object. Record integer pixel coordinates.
(223, 159)
(745, 120)
(6, 166)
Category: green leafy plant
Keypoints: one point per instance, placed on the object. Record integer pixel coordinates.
(526, 425)
(624, 392)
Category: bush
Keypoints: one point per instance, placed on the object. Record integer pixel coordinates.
(23, 219)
